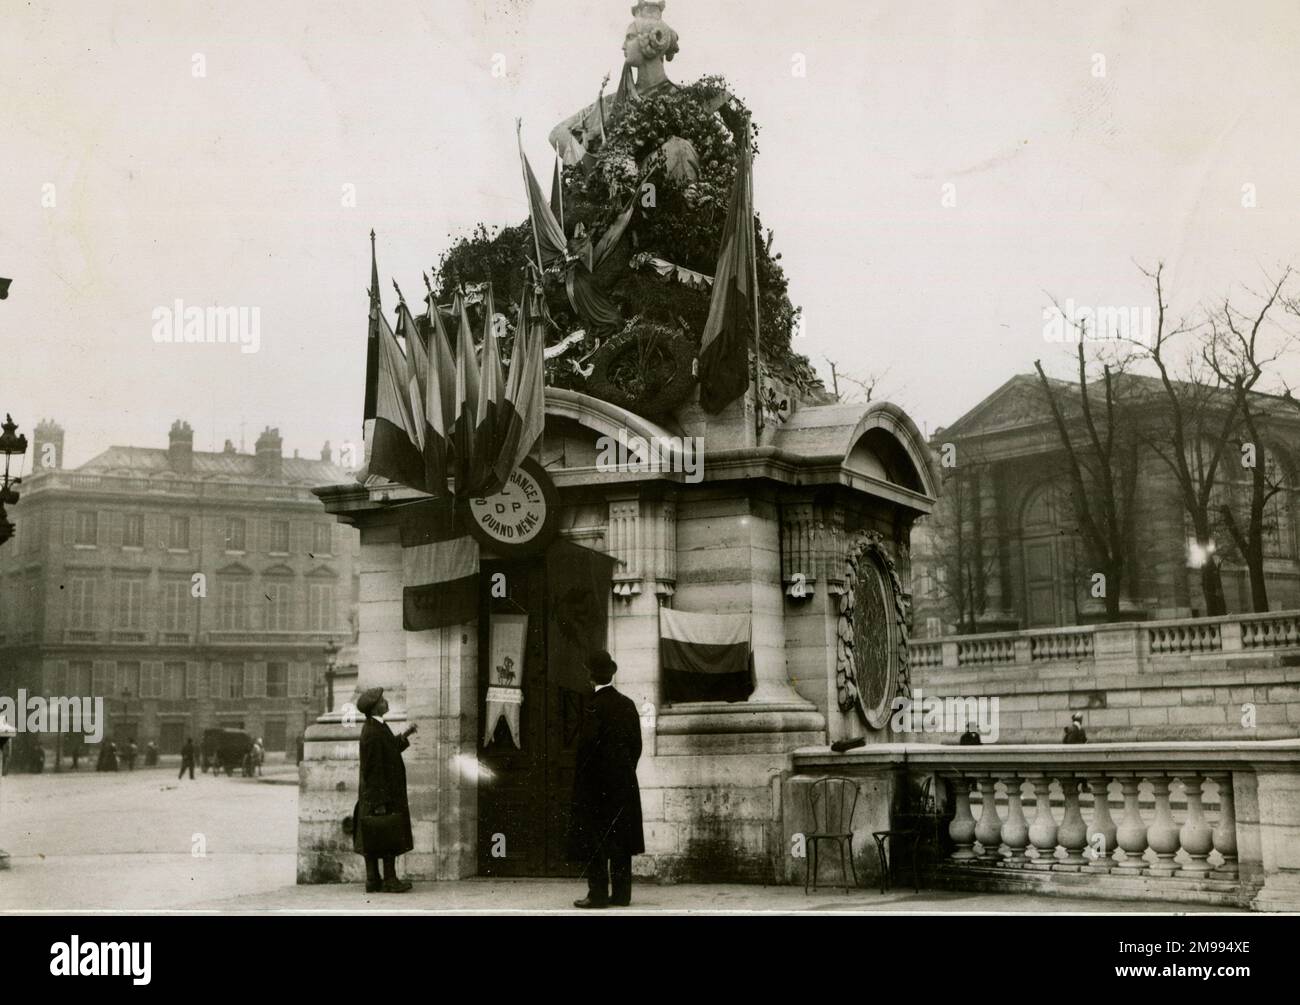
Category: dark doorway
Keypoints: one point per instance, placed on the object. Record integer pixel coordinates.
(523, 809)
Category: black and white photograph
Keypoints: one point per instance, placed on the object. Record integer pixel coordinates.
(620, 458)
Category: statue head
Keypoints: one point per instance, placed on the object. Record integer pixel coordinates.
(649, 38)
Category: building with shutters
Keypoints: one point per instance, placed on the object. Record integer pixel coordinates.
(189, 589)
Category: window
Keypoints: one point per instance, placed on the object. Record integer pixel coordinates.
(133, 530)
(151, 681)
(87, 532)
(321, 544)
(280, 537)
(216, 681)
(234, 533)
(273, 735)
(128, 679)
(193, 681)
(178, 533)
(54, 680)
(233, 680)
(234, 604)
(174, 681)
(320, 607)
(102, 681)
(277, 680)
(255, 680)
(176, 605)
(81, 603)
(79, 678)
(300, 681)
(130, 604)
(277, 607)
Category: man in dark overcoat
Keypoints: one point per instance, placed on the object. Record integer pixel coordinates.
(381, 821)
(605, 825)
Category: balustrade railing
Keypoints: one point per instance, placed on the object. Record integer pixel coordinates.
(1107, 814)
(1131, 643)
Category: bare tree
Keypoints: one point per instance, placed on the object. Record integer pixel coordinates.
(1189, 430)
(866, 385)
(1102, 465)
(1241, 349)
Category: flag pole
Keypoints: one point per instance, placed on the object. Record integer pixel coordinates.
(753, 266)
(537, 241)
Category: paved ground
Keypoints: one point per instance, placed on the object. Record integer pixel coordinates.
(131, 841)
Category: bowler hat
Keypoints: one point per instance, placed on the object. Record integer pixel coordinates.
(601, 666)
(369, 699)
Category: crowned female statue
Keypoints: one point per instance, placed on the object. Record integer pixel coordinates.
(649, 43)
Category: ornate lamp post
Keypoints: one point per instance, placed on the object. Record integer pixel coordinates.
(331, 660)
(10, 444)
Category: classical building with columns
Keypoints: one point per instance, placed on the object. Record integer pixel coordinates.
(802, 528)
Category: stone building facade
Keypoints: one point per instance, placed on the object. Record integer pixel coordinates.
(786, 527)
(1007, 517)
(189, 589)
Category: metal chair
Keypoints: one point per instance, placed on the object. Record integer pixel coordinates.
(831, 804)
(916, 823)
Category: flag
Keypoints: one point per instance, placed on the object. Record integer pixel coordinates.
(417, 369)
(705, 657)
(439, 567)
(729, 330)
(439, 404)
(487, 416)
(523, 409)
(548, 235)
(466, 415)
(394, 453)
(557, 194)
(372, 355)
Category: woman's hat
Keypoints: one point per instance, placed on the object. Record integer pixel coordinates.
(369, 699)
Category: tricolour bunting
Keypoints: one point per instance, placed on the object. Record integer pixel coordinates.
(522, 411)
(394, 453)
(440, 563)
(705, 657)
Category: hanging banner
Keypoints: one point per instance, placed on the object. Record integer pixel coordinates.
(507, 634)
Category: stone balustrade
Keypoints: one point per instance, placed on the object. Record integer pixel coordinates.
(1203, 822)
(1136, 643)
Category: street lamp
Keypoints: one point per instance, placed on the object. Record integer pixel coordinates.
(10, 444)
(331, 658)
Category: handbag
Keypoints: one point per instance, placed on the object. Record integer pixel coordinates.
(382, 832)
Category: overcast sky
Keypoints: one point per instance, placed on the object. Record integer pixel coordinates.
(228, 188)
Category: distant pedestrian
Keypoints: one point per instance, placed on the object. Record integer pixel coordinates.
(151, 755)
(970, 738)
(38, 759)
(1074, 731)
(108, 757)
(130, 753)
(187, 758)
(258, 756)
(76, 755)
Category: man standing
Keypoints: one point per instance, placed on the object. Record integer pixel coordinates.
(1074, 731)
(187, 758)
(381, 821)
(605, 825)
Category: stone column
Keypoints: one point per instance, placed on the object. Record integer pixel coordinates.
(1015, 832)
(1162, 835)
(1103, 824)
(1073, 833)
(989, 831)
(1042, 832)
(962, 827)
(1131, 835)
(1225, 830)
(1196, 837)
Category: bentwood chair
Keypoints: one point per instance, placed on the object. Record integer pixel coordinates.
(831, 804)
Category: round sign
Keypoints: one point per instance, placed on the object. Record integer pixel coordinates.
(873, 637)
(523, 517)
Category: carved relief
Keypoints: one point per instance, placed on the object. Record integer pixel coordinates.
(872, 634)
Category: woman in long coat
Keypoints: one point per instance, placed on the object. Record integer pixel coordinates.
(381, 820)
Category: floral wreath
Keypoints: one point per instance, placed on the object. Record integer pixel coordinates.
(870, 548)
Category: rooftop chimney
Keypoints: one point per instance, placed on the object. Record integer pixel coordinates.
(326, 454)
(180, 447)
(48, 442)
(269, 461)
